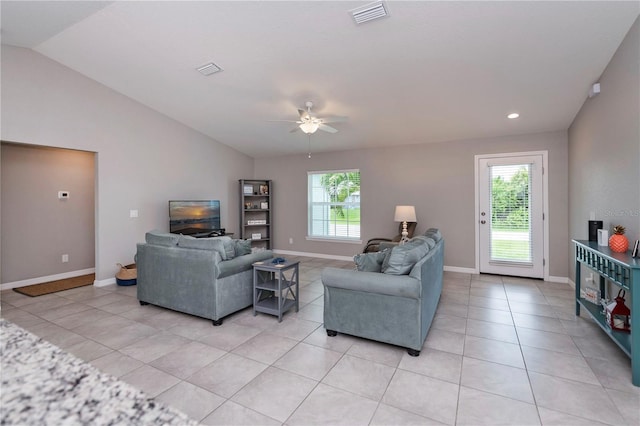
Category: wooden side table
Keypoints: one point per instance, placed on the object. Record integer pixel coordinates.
(273, 283)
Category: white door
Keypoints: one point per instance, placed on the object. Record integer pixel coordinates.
(510, 216)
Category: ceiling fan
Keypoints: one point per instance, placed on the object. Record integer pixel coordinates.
(309, 123)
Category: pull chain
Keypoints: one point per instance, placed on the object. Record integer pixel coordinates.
(309, 145)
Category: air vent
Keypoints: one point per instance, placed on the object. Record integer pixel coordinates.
(209, 69)
(369, 12)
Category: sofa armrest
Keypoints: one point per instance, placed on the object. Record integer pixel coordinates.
(372, 282)
(238, 264)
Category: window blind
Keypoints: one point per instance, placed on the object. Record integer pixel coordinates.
(511, 239)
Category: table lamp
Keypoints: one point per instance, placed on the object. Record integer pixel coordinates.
(405, 214)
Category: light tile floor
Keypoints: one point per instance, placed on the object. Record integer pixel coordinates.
(501, 351)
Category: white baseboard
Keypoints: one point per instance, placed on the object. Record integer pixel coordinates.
(102, 283)
(563, 280)
(40, 280)
(460, 269)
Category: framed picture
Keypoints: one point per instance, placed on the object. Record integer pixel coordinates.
(256, 236)
(264, 190)
(634, 253)
(264, 205)
(247, 190)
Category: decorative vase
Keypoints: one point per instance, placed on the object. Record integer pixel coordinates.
(618, 242)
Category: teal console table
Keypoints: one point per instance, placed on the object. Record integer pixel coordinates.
(624, 271)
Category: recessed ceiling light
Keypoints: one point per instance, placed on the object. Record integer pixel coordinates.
(209, 69)
(513, 115)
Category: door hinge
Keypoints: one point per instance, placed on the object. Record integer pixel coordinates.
(542, 216)
(544, 262)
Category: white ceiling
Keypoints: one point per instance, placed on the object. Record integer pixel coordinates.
(430, 72)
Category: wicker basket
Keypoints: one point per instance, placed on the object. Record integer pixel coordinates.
(127, 275)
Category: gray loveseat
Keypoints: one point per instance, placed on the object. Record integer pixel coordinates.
(395, 305)
(207, 277)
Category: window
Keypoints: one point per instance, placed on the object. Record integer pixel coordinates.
(334, 205)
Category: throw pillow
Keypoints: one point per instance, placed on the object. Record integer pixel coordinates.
(430, 242)
(160, 238)
(214, 244)
(433, 233)
(370, 262)
(242, 247)
(402, 258)
(229, 247)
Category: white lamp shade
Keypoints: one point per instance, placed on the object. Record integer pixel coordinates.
(405, 214)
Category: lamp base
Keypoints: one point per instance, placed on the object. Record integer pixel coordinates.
(405, 234)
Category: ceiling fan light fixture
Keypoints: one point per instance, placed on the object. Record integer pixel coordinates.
(309, 127)
(369, 12)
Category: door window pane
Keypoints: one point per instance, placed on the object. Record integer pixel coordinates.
(511, 213)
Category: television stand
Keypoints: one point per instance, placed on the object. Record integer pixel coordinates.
(203, 233)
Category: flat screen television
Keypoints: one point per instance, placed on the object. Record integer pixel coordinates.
(190, 217)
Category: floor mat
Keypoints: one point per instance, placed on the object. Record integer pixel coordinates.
(55, 286)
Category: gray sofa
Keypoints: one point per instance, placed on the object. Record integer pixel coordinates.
(395, 305)
(207, 277)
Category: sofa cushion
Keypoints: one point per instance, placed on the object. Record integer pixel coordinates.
(214, 244)
(160, 238)
(434, 234)
(401, 259)
(242, 247)
(370, 262)
(430, 241)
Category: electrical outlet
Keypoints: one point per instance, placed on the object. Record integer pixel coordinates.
(65, 258)
(290, 240)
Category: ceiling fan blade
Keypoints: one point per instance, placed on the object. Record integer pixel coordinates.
(334, 119)
(295, 129)
(304, 115)
(285, 121)
(327, 128)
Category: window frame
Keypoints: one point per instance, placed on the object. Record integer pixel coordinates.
(311, 204)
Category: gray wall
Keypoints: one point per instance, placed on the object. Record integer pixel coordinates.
(143, 158)
(437, 178)
(38, 228)
(604, 148)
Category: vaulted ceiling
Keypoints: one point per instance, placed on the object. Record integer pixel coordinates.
(429, 72)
